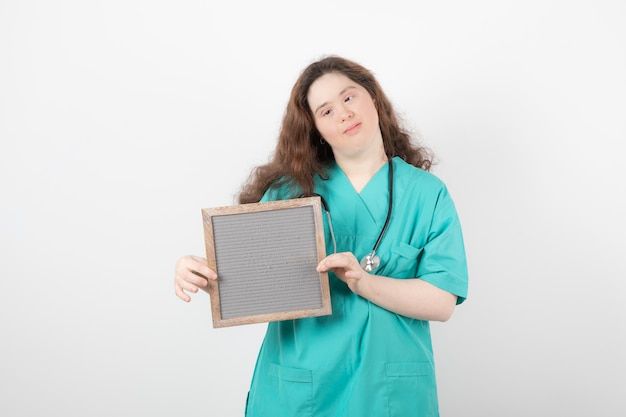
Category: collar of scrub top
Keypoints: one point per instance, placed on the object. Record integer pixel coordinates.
(371, 261)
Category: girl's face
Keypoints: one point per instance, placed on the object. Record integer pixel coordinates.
(345, 115)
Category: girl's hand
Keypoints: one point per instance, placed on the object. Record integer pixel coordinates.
(346, 267)
(192, 273)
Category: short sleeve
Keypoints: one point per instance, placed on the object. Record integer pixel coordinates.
(443, 261)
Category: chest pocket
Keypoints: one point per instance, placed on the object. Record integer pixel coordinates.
(404, 260)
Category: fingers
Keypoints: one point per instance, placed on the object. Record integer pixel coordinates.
(191, 273)
(345, 260)
(198, 266)
(346, 267)
(181, 294)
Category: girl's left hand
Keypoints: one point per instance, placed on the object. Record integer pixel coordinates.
(346, 267)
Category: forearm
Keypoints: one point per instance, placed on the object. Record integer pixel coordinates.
(413, 298)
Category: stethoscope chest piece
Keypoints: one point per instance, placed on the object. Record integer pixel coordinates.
(370, 262)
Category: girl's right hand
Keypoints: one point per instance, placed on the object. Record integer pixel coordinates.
(192, 273)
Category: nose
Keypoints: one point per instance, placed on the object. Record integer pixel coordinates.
(346, 114)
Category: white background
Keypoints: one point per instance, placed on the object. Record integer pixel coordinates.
(120, 120)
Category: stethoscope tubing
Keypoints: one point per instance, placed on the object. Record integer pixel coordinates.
(370, 256)
(389, 209)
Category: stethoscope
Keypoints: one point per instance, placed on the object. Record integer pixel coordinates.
(371, 261)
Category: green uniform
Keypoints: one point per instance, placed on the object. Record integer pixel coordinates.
(364, 360)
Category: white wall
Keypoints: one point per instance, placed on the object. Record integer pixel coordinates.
(120, 120)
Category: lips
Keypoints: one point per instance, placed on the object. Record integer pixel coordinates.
(352, 128)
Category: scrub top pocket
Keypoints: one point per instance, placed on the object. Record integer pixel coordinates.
(411, 389)
(287, 392)
(404, 261)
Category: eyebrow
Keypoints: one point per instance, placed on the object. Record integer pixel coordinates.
(341, 93)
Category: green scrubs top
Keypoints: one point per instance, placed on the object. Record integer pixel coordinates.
(364, 360)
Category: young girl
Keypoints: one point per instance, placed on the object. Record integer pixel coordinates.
(399, 261)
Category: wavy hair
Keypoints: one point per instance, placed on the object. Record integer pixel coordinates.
(300, 153)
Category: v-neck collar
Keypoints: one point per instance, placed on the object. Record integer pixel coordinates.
(380, 177)
(367, 207)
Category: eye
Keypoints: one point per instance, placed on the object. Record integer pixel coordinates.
(325, 112)
(348, 98)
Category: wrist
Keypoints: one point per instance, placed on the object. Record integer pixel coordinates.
(360, 286)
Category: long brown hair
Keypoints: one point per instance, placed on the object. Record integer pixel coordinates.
(300, 153)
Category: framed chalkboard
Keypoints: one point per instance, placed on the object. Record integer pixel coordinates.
(265, 256)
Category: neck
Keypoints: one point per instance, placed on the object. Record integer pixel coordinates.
(360, 170)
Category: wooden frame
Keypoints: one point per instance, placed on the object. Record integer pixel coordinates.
(265, 256)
